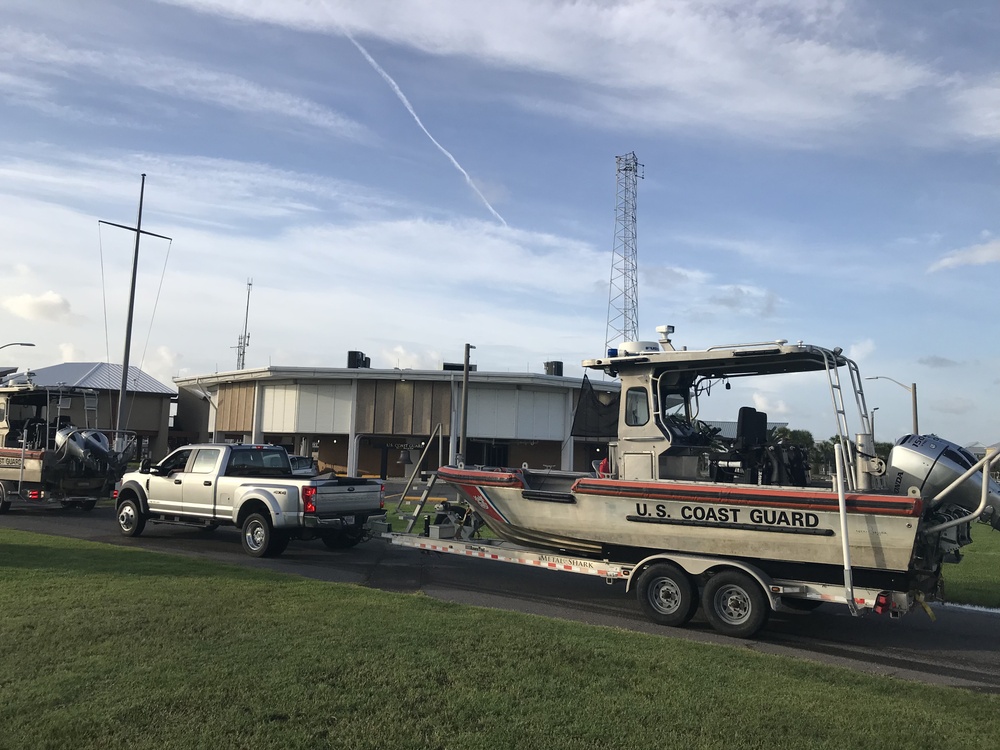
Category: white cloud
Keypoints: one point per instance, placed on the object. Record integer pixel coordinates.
(767, 403)
(757, 69)
(47, 306)
(976, 255)
(38, 55)
(399, 357)
(861, 350)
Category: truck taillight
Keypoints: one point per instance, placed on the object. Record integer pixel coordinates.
(309, 499)
(34, 494)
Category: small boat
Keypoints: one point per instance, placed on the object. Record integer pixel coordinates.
(673, 483)
(50, 448)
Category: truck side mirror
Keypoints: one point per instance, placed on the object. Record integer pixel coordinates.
(144, 466)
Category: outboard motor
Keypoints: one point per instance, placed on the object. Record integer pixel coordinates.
(86, 446)
(930, 464)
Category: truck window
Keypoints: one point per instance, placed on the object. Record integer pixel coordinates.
(205, 461)
(175, 461)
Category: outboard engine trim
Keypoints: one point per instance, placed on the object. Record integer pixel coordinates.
(930, 464)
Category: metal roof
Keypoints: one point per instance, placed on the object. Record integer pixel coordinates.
(102, 376)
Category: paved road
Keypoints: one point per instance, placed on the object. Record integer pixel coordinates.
(959, 649)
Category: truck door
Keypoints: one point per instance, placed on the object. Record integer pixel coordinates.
(199, 481)
(164, 488)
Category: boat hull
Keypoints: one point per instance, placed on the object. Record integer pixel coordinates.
(589, 515)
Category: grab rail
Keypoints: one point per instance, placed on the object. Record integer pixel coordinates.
(985, 463)
(420, 462)
(845, 542)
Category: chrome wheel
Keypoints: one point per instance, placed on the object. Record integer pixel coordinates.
(255, 535)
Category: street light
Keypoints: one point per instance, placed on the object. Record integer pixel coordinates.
(16, 343)
(912, 388)
(874, 409)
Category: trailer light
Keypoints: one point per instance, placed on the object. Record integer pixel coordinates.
(883, 602)
(34, 494)
(309, 499)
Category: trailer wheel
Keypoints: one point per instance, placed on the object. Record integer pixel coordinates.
(131, 522)
(666, 594)
(735, 604)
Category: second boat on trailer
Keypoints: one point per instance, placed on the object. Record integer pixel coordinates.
(685, 510)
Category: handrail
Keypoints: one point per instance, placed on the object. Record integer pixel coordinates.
(987, 461)
(416, 467)
(845, 543)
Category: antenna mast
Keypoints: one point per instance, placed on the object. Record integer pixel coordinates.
(623, 297)
(244, 340)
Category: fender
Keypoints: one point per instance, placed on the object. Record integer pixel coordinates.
(695, 566)
(265, 495)
(140, 492)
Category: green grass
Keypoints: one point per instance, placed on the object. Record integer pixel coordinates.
(113, 647)
(976, 580)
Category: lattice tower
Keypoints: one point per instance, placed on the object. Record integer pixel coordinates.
(623, 298)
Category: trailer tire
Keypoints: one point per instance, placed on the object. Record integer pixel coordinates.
(666, 594)
(735, 604)
(131, 522)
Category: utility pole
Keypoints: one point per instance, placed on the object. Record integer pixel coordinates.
(465, 406)
(139, 231)
(623, 296)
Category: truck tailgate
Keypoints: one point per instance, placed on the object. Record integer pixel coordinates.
(347, 495)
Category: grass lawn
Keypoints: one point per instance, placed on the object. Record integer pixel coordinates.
(976, 580)
(112, 647)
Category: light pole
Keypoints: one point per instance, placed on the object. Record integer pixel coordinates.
(465, 405)
(875, 409)
(16, 343)
(912, 388)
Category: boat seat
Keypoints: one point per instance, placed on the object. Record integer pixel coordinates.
(747, 461)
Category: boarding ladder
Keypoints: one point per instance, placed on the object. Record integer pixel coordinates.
(830, 360)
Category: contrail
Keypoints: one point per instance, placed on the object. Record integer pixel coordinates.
(409, 108)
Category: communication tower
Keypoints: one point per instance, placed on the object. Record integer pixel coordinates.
(623, 298)
(244, 340)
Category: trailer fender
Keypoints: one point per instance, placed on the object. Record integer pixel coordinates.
(696, 566)
(130, 489)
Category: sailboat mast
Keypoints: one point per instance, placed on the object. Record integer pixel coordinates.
(131, 308)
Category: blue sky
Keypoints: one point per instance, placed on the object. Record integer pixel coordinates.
(818, 171)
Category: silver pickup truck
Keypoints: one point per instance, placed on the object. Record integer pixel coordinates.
(252, 487)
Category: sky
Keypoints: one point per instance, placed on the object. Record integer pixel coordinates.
(403, 178)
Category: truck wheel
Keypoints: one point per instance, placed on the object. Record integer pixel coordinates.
(279, 543)
(131, 522)
(88, 504)
(735, 604)
(342, 539)
(666, 594)
(258, 536)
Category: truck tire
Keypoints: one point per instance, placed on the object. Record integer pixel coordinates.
(279, 543)
(735, 604)
(131, 522)
(259, 538)
(88, 504)
(666, 594)
(342, 539)
(4, 502)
